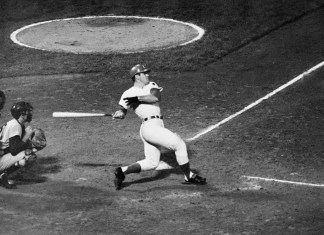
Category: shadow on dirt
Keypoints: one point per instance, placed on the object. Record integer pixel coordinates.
(89, 164)
(34, 174)
(54, 197)
(159, 176)
(169, 158)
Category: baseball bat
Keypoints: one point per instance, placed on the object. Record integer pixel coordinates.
(79, 114)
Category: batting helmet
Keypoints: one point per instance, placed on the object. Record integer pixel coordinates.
(20, 108)
(139, 68)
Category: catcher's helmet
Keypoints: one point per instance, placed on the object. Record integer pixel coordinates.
(139, 68)
(20, 108)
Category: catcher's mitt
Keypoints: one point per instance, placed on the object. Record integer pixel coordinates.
(38, 139)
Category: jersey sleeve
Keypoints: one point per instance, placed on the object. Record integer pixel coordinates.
(132, 92)
(14, 130)
(122, 102)
(10, 130)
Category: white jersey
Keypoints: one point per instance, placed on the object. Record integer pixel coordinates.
(11, 129)
(143, 110)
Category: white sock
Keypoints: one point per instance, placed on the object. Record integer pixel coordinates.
(124, 168)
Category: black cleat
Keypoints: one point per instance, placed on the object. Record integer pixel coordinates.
(196, 179)
(119, 177)
(5, 182)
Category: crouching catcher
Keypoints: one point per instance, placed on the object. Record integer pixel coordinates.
(19, 142)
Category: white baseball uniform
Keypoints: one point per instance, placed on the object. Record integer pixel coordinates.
(153, 133)
(11, 129)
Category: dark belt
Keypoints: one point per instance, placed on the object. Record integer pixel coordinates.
(152, 117)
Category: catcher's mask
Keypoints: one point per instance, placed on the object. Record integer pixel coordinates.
(22, 108)
(139, 68)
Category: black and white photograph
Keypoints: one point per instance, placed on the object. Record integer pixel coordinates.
(182, 117)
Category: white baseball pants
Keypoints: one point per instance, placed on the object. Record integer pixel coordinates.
(154, 136)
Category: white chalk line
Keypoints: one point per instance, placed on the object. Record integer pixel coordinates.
(282, 181)
(210, 128)
(201, 31)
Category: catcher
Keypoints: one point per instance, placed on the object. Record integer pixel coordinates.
(19, 142)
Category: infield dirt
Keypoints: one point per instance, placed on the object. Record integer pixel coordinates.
(70, 189)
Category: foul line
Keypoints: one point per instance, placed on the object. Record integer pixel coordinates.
(283, 181)
(210, 128)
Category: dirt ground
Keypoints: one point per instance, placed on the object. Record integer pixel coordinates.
(106, 35)
(70, 189)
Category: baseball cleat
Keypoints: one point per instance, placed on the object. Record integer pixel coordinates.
(196, 179)
(119, 177)
(5, 182)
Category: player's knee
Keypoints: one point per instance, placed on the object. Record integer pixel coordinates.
(180, 146)
(26, 161)
(147, 165)
(21, 163)
(152, 165)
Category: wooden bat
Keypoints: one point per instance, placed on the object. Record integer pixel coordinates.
(79, 114)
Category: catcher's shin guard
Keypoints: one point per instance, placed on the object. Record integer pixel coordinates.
(5, 182)
(13, 169)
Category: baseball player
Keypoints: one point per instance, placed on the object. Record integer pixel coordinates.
(15, 142)
(144, 98)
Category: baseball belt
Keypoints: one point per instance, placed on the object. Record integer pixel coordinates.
(152, 117)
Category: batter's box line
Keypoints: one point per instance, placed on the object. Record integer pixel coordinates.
(210, 128)
(281, 181)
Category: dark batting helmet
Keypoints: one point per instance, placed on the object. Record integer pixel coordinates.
(20, 108)
(139, 68)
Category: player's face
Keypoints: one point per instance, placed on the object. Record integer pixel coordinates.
(144, 77)
(29, 116)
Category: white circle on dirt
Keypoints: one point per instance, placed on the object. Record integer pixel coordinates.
(107, 34)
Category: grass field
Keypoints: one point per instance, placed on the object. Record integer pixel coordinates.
(250, 48)
(229, 25)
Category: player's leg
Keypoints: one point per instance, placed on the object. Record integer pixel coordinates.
(10, 164)
(158, 135)
(152, 158)
(163, 166)
(22, 159)
(152, 155)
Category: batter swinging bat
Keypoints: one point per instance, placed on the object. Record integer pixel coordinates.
(77, 114)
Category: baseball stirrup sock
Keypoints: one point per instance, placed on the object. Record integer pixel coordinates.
(134, 168)
(186, 170)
